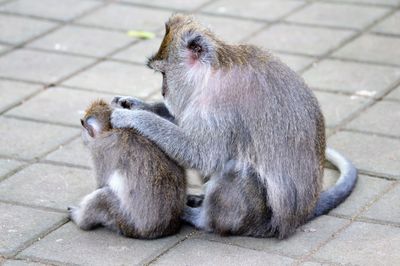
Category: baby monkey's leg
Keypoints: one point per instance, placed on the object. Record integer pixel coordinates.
(98, 208)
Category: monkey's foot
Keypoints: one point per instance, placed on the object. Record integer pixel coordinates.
(128, 102)
(72, 212)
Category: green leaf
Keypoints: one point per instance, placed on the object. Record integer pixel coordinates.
(145, 35)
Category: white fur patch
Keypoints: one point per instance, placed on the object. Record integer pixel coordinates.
(117, 184)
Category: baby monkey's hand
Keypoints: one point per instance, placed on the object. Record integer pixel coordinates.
(128, 102)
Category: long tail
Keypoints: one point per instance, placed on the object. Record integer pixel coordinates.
(335, 195)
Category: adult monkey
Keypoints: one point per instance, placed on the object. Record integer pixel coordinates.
(239, 102)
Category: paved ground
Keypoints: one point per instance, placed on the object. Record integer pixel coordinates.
(56, 56)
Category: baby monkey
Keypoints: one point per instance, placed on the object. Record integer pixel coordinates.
(141, 191)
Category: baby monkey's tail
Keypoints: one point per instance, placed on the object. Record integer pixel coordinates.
(335, 195)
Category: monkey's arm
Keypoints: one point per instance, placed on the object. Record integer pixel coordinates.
(168, 136)
(132, 103)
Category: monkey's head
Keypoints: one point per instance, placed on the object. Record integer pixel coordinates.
(96, 120)
(187, 55)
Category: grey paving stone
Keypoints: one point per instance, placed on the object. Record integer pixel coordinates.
(307, 237)
(3, 48)
(390, 25)
(171, 4)
(394, 95)
(39, 66)
(27, 140)
(295, 62)
(14, 30)
(58, 104)
(48, 186)
(364, 244)
(386, 208)
(202, 252)
(118, 78)
(139, 52)
(20, 224)
(333, 14)
(228, 29)
(7, 165)
(83, 40)
(124, 17)
(53, 9)
(384, 2)
(72, 153)
(382, 118)
(101, 247)
(369, 152)
(22, 263)
(12, 92)
(367, 188)
(266, 10)
(372, 48)
(300, 39)
(357, 78)
(337, 107)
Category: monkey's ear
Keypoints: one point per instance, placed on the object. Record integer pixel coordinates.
(199, 47)
(92, 126)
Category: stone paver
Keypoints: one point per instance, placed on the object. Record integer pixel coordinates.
(20, 224)
(366, 190)
(394, 95)
(56, 56)
(306, 238)
(83, 40)
(337, 107)
(14, 30)
(123, 17)
(364, 244)
(52, 9)
(372, 48)
(295, 62)
(12, 93)
(385, 208)
(52, 105)
(192, 252)
(39, 66)
(139, 52)
(258, 9)
(8, 165)
(389, 25)
(351, 77)
(68, 154)
(118, 78)
(300, 39)
(49, 186)
(369, 152)
(381, 118)
(175, 4)
(333, 14)
(229, 29)
(101, 247)
(27, 140)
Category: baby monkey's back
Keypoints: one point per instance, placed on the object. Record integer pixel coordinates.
(141, 192)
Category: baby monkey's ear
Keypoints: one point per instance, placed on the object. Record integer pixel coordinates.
(91, 125)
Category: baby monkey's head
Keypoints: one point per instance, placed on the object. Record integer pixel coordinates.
(96, 120)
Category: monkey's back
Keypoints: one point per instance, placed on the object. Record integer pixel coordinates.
(152, 191)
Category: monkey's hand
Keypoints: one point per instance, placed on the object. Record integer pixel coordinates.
(168, 136)
(128, 102)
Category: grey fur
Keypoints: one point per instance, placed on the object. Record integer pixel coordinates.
(237, 102)
(141, 192)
